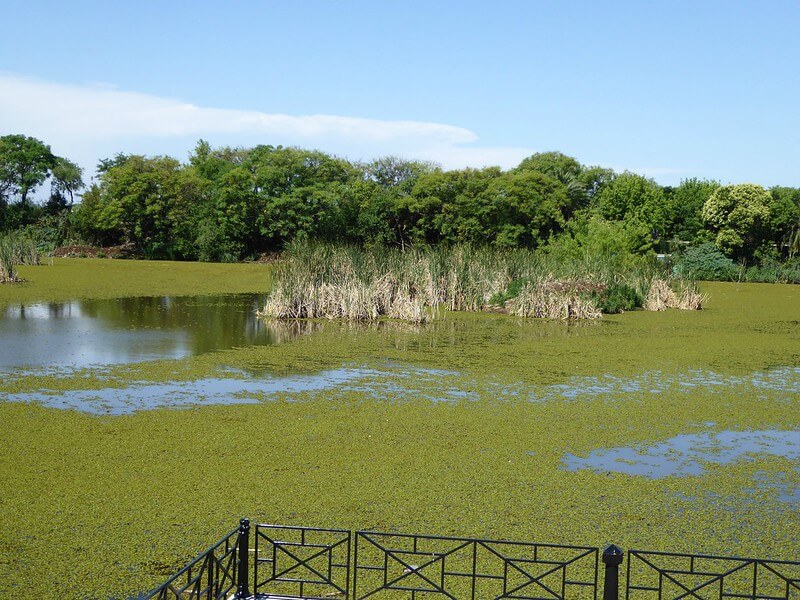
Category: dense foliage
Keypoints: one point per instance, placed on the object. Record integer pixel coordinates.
(228, 204)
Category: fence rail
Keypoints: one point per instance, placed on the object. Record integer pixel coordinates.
(288, 562)
(211, 575)
(301, 562)
(657, 575)
(405, 566)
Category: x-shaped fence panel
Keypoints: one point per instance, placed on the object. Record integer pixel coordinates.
(402, 566)
(669, 576)
(301, 562)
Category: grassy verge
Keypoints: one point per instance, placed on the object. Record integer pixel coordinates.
(71, 278)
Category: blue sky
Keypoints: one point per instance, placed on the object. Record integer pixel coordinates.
(668, 89)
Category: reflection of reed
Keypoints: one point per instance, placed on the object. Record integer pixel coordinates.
(280, 331)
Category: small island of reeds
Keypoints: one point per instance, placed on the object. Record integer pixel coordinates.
(314, 280)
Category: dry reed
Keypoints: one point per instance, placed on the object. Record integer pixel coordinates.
(662, 296)
(548, 301)
(333, 282)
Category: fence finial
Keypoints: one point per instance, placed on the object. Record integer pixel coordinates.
(242, 588)
(612, 558)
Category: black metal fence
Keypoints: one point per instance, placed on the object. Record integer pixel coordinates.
(657, 575)
(307, 562)
(213, 574)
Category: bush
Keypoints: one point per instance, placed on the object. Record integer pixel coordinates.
(16, 248)
(706, 262)
(772, 271)
(512, 291)
(617, 298)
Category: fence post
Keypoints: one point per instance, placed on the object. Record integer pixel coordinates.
(612, 558)
(242, 589)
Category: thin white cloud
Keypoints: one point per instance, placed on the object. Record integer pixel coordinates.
(88, 122)
(102, 112)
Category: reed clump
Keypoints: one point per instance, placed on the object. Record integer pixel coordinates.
(662, 295)
(553, 300)
(8, 274)
(343, 282)
(16, 248)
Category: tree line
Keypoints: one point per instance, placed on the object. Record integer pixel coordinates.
(229, 204)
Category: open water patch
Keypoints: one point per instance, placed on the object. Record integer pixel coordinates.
(687, 454)
(781, 379)
(148, 396)
(35, 338)
(231, 390)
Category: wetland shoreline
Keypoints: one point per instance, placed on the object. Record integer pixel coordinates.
(130, 498)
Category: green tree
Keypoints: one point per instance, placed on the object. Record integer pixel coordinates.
(637, 200)
(144, 201)
(397, 173)
(684, 208)
(737, 215)
(457, 204)
(565, 169)
(25, 163)
(784, 219)
(524, 208)
(67, 179)
(551, 163)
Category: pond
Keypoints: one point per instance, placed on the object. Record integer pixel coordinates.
(85, 333)
(134, 420)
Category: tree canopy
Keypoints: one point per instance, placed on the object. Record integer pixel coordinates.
(229, 203)
(738, 215)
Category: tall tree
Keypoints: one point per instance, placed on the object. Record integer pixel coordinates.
(684, 207)
(738, 214)
(25, 163)
(524, 208)
(67, 178)
(636, 200)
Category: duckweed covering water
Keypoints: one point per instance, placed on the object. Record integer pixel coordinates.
(105, 506)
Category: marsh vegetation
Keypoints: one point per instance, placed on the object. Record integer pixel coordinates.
(16, 248)
(473, 423)
(324, 281)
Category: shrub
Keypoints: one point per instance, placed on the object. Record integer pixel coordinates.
(8, 274)
(617, 298)
(706, 262)
(16, 248)
(772, 271)
(512, 291)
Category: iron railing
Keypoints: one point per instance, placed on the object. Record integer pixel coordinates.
(660, 575)
(289, 562)
(301, 562)
(212, 575)
(403, 566)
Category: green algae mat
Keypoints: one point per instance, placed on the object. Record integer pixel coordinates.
(665, 431)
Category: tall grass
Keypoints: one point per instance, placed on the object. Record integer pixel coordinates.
(325, 281)
(16, 248)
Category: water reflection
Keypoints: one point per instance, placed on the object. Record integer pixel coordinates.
(83, 333)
